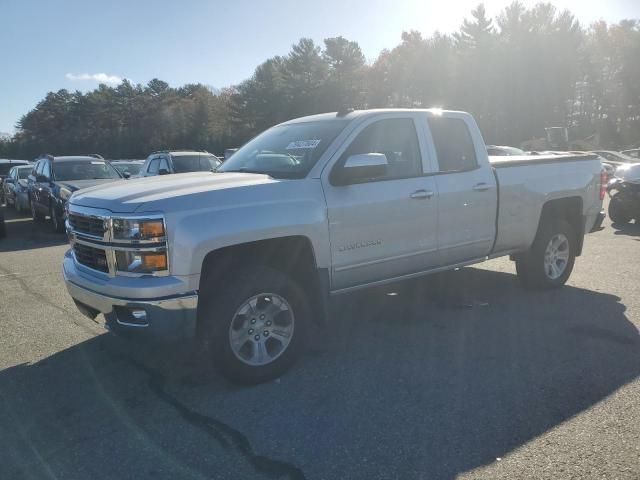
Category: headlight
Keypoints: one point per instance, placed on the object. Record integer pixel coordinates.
(141, 262)
(138, 229)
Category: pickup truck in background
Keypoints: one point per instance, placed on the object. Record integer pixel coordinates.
(246, 257)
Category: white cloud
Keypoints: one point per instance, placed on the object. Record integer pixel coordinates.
(94, 77)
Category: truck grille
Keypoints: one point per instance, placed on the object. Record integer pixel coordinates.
(91, 257)
(89, 225)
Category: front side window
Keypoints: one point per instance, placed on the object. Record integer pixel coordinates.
(453, 143)
(84, 170)
(286, 151)
(22, 173)
(396, 138)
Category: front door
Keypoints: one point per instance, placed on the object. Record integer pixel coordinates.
(383, 227)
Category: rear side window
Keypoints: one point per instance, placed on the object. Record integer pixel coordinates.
(453, 144)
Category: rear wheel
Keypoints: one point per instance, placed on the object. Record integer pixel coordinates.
(549, 262)
(617, 210)
(255, 325)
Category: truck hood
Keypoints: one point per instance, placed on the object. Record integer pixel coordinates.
(158, 191)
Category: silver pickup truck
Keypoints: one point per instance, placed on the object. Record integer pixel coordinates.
(246, 257)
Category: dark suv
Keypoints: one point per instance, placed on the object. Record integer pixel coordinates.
(5, 166)
(54, 179)
(173, 161)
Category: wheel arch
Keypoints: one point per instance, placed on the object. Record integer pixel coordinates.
(569, 209)
(293, 255)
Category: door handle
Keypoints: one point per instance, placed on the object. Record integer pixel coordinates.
(481, 187)
(421, 194)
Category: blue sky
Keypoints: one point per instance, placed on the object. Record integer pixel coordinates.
(51, 44)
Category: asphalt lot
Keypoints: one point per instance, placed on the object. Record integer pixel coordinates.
(461, 376)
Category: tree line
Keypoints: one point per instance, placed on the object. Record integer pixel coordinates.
(526, 69)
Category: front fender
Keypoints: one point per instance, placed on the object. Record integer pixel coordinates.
(294, 208)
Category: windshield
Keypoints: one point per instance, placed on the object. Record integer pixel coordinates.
(193, 163)
(131, 168)
(285, 151)
(83, 170)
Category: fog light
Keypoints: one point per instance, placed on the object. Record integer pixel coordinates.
(139, 314)
(141, 262)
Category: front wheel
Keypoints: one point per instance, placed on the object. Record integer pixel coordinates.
(56, 222)
(549, 262)
(255, 325)
(617, 210)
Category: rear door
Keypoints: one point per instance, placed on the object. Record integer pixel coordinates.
(384, 227)
(468, 197)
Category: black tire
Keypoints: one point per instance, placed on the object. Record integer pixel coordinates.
(56, 222)
(617, 211)
(35, 215)
(217, 309)
(531, 266)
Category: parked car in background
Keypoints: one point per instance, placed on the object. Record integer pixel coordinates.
(183, 161)
(501, 150)
(624, 190)
(5, 166)
(634, 152)
(128, 168)
(54, 179)
(615, 158)
(246, 258)
(15, 187)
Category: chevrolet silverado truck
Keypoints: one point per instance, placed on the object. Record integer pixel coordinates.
(243, 259)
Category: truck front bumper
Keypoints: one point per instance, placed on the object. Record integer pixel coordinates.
(171, 316)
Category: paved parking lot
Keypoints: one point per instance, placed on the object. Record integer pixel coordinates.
(461, 376)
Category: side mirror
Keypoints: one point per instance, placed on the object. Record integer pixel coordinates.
(362, 167)
(163, 171)
(126, 175)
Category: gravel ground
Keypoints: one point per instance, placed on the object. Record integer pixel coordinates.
(464, 375)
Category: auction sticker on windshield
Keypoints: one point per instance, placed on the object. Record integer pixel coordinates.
(301, 144)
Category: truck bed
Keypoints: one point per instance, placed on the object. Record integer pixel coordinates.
(540, 178)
